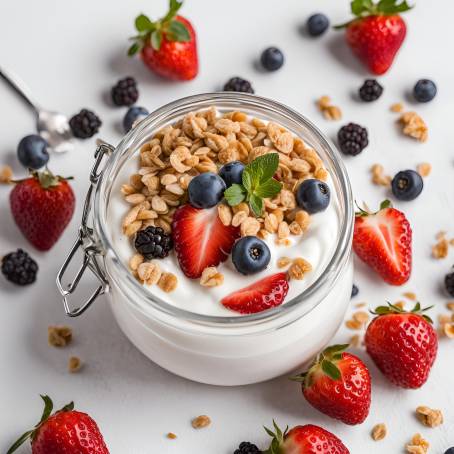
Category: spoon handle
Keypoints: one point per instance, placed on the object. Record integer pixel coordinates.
(19, 87)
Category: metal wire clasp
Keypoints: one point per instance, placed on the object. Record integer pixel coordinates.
(87, 242)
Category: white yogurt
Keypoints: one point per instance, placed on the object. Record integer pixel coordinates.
(317, 246)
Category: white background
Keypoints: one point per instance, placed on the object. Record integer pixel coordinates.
(70, 53)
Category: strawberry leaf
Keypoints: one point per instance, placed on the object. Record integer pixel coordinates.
(174, 6)
(144, 24)
(177, 31)
(48, 407)
(359, 7)
(22, 439)
(393, 6)
(156, 39)
(331, 370)
(134, 49)
(386, 204)
(235, 194)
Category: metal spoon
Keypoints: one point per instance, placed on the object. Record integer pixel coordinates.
(52, 126)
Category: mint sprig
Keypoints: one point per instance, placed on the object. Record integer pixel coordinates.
(153, 32)
(257, 183)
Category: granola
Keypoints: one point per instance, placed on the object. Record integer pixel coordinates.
(59, 336)
(201, 422)
(414, 126)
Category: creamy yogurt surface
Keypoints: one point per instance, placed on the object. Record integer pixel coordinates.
(316, 245)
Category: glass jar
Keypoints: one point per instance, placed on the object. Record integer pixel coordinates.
(231, 350)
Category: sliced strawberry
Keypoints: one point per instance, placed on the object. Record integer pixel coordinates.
(259, 296)
(383, 241)
(201, 239)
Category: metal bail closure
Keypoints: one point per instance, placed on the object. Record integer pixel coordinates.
(87, 243)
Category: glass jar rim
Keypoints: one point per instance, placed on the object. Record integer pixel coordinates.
(203, 101)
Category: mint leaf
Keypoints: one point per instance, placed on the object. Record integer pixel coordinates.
(263, 168)
(143, 23)
(256, 204)
(247, 180)
(393, 6)
(268, 189)
(235, 194)
(133, 49)
(177, 31)
(156, 39)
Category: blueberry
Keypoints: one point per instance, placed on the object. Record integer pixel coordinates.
(317, 24)
(407, 185)
(206, 190)
(313, 195)
(133, 114)
(450, 451)
(272, 59)
(425, 90)
(250, 255)
(232, 172)
(32, 152)
(355, 291)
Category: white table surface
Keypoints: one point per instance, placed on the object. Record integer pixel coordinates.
(70, 53)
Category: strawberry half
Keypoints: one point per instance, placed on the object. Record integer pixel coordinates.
(167, 46)
(383, 241)
(402, 344)
(259, 296)
(338, 384)
(308, 439)
(200, 239)
(377, 33)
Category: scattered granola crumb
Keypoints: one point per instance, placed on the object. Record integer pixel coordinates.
(168, 282)
(361, 317)
(171, 435)
(450, 306)
(400, 304)
(360, 305)
(355, 340)
(329, 111)
(211, 277)
(424, 169)
(283, 262)
(59, 336)
(410, 295)
(378, 176)
(6, 175)
(417, 445)
(441, 248)
(448, 330)
(353, 324)
(201, 421)
(429, 417)
(299, 268)
(414, 126)
(74, 364)
(397, 107)
(379, 432)
(149, 273)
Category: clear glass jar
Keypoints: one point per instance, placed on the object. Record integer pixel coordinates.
(217, 350)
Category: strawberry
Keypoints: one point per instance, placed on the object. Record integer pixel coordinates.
(42, 206)
(308, 439)
(200, 239)
(259, 296)
(377, 33)
(168, 46)
(65, 432)
(383, 241)
(338, 384)
(402, 344)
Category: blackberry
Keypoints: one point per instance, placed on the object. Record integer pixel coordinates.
(125, 92)
(355, 291)
(85, 124)
(238, 84)
(352, 139)
(449, 283)
(247, 448)
(19, 267)
(370, 91)
(153, 242)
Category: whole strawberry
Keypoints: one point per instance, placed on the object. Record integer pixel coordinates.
(402, 344)
(377, 33)
(338, 384)
(42, 206)
(308, 439)
(383, 241)
(167, 46)
(65, 432)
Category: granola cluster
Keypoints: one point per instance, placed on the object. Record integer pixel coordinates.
(202, 142)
